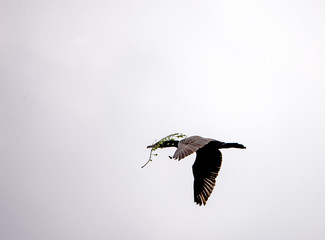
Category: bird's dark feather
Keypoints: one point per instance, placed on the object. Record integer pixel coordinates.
(205, 170)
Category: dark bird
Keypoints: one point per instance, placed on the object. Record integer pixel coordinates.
(207, 163)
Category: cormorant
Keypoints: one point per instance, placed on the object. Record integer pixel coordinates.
(207, 163)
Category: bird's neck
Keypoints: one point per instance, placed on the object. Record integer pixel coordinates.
(171, 143)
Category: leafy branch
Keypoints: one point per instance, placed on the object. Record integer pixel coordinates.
(157, 145)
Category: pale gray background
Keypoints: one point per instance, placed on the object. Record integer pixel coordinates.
(85, 86)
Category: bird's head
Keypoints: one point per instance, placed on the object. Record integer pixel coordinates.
(170, 143)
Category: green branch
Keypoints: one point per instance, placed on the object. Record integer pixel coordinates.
(156, 145)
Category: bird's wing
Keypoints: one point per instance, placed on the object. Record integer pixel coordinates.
(205, 170)
(190, 145)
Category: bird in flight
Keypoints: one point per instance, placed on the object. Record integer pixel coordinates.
(207, 163)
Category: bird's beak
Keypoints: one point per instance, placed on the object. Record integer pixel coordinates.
(151, 146)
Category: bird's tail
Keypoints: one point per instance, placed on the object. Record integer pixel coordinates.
(233, 145)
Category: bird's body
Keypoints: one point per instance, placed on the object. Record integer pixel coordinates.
(207, 163)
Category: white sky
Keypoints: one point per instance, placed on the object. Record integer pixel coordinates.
(85, 86)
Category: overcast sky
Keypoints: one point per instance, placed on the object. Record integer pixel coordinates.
(85, 86)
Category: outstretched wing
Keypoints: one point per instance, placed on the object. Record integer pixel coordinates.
(190, 145)
(205, 170)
